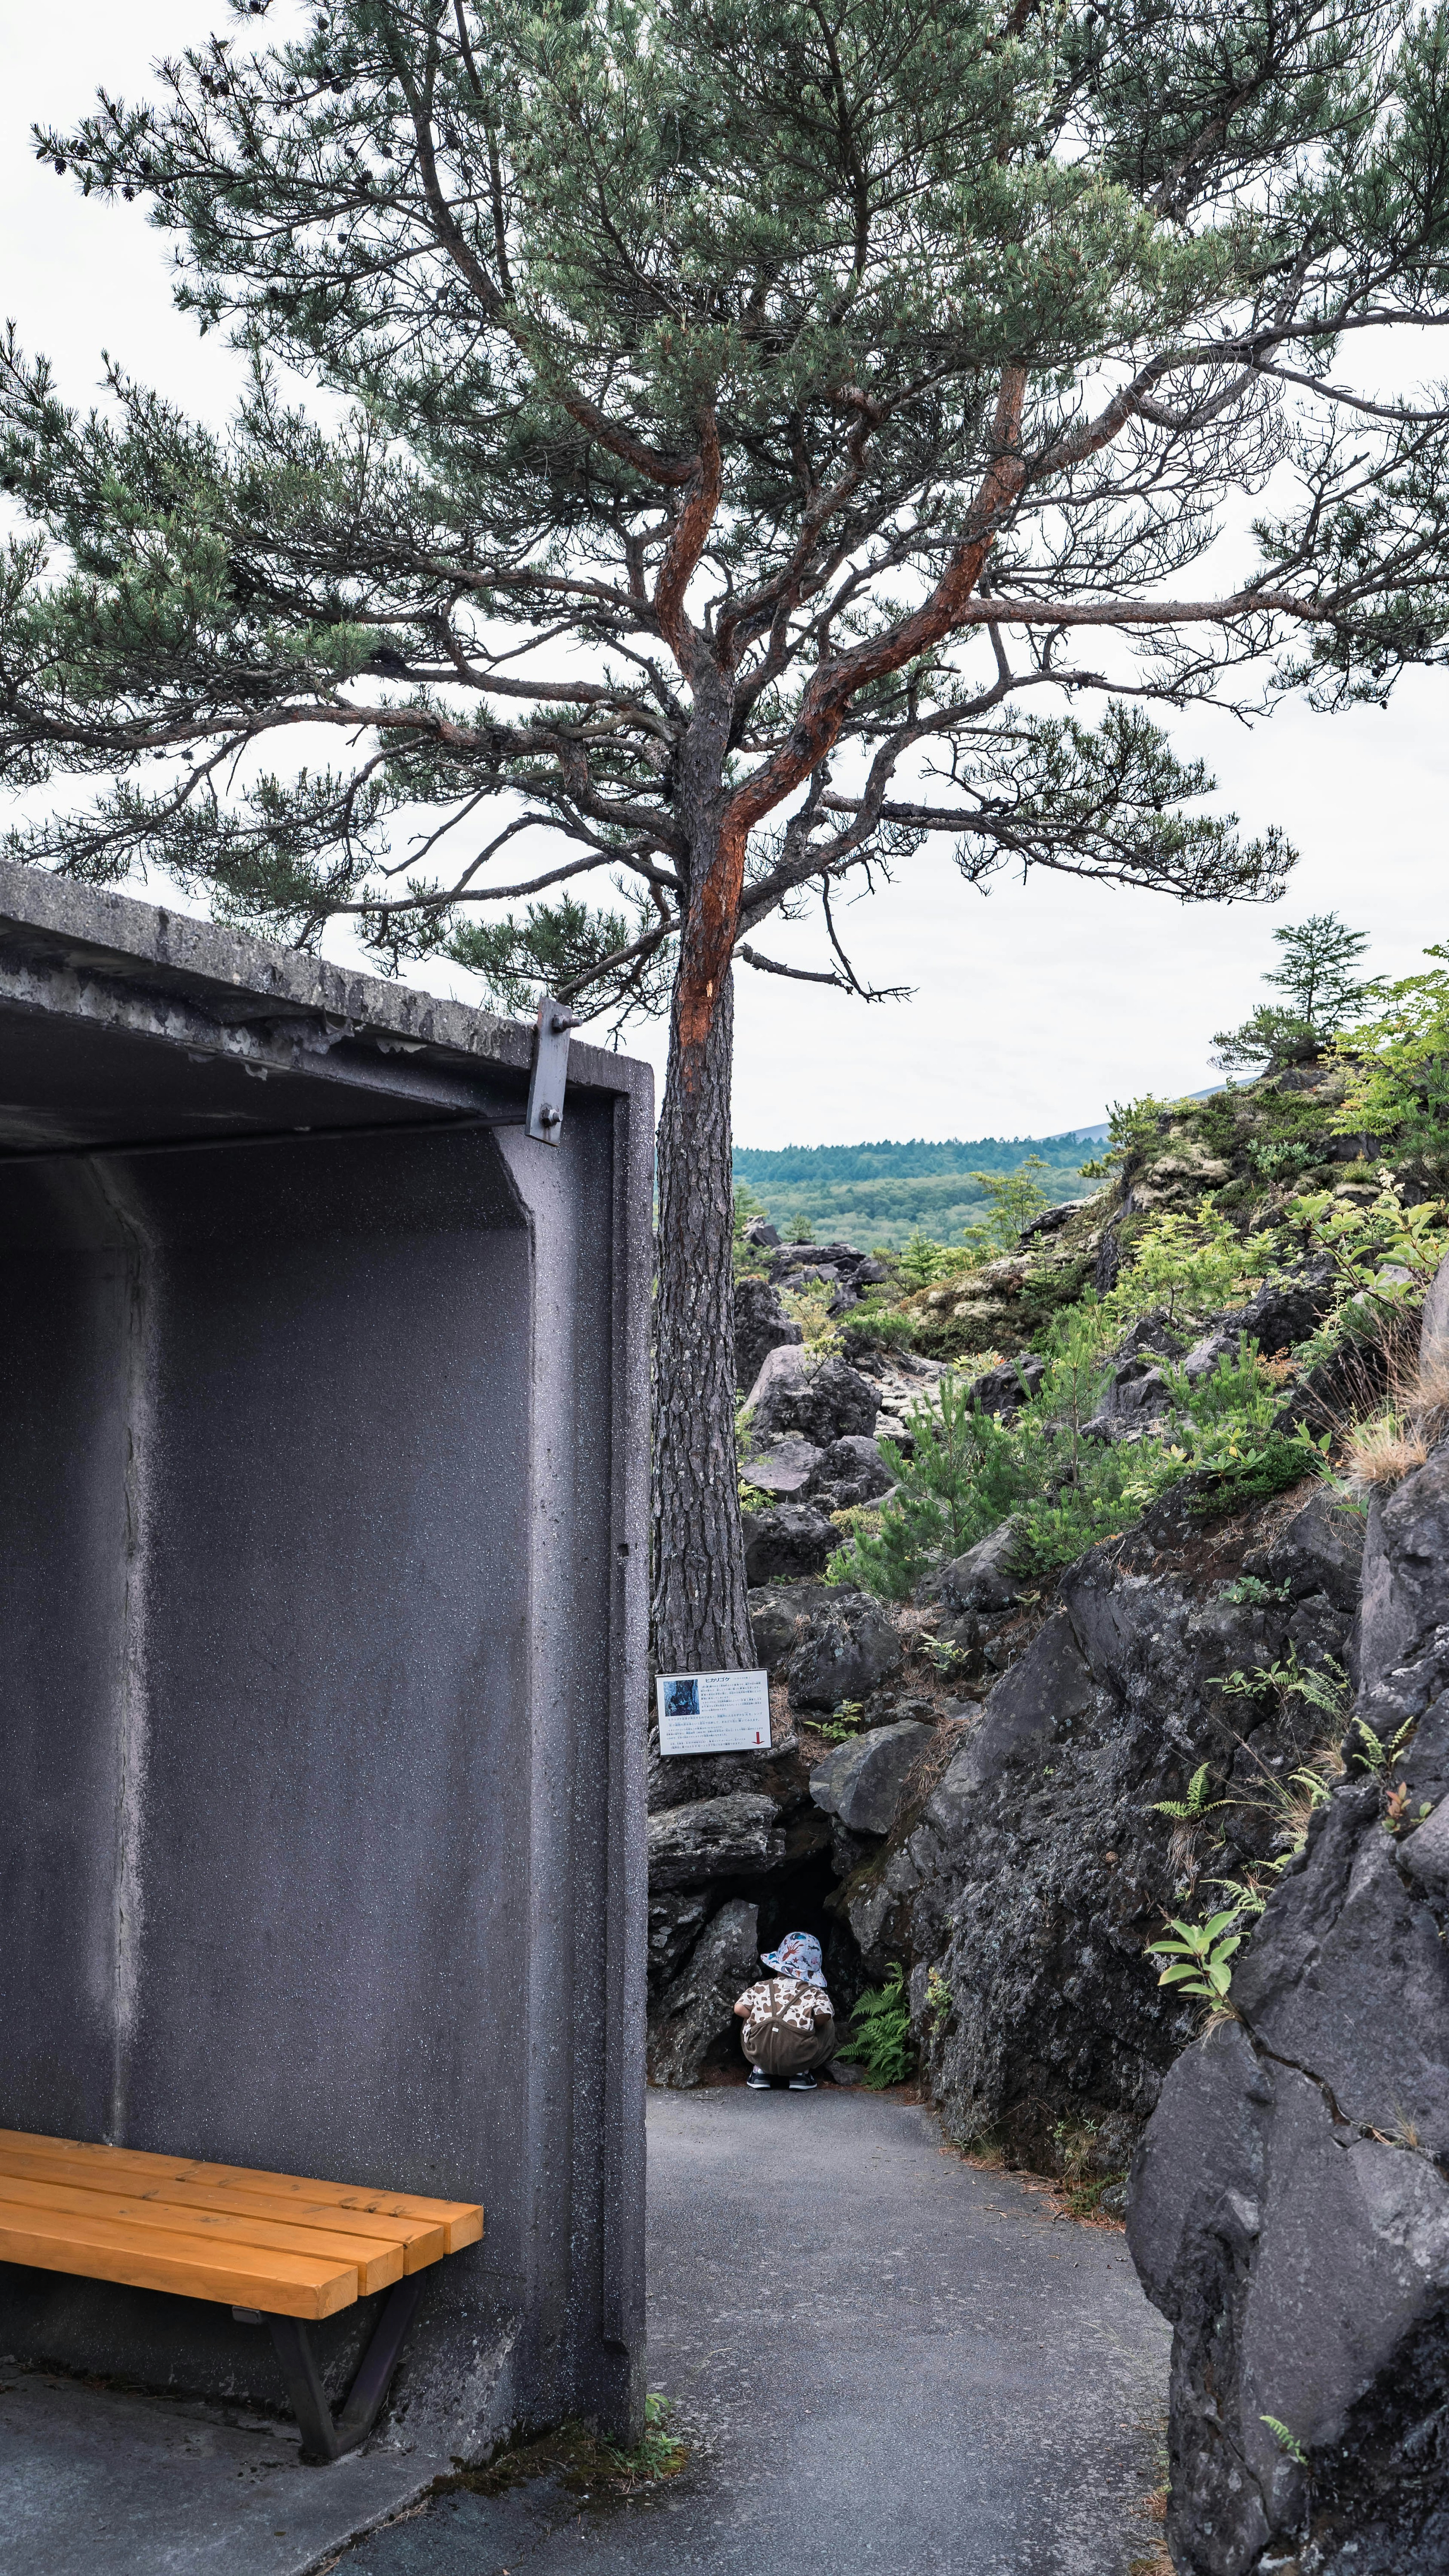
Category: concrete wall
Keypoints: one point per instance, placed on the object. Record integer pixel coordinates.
(322, 1548)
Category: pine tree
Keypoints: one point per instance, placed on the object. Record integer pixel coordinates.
(688, 446)
(1323, 997)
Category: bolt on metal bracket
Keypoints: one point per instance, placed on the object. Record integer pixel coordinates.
(544, 1119)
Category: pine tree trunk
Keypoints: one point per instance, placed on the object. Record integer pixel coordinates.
(701, 1616)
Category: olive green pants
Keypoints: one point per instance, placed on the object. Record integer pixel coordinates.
(779, 2050)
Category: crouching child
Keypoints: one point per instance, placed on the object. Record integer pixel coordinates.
(789, 2020)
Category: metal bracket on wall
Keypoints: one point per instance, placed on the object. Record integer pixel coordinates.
(323, 2436)
(544, 1119)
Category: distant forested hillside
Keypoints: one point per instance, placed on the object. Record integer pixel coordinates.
(884, 1193)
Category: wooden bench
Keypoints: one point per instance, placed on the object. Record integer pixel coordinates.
(275, 2248)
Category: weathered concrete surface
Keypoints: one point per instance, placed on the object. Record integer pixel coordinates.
(323, 1542)
(890, 2363)
(94, 2482)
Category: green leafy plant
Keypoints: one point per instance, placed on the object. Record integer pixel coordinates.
(940, 2002)
(1384, 1254)
(1195, 1805)
(1133, 1128)
(1398, 1066)
(1013, 1199)
(1285, 2440)
(660, 2454)
(1371, 1753)
(1199, 1955)
(886, 1326)
(883, 2044)
(960, 1481)
(1191, 1263)
(923, 1261)
(1250, 1591)
(810, 1309)
(844, 1722)
(1315, 973)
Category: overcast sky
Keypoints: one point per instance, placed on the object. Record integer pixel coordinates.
(1034, 1006)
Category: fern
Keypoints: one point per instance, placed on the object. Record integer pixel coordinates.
(1195, 1805)
(883, 2043)
(1285, 2440)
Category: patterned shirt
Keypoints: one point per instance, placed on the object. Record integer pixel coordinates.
(787, 2001)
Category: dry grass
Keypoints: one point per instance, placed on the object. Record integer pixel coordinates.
(1390, 1441)
(1383, 1450)
(1153, 2509)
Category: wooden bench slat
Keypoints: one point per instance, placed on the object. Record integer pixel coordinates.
(461, 2220)
(148, 2258)
(422, 2241)
(378, 2264)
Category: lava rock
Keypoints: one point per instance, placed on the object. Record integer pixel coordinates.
(862, 1781)
(783, 1467)
(1289, 2209)
(694, 2021)
(738, 1836)
(846, 1653)
(777, 1772)
(1051, 1219)
(761, 1326)
(1014, 1383)
(1321, 1550)
(787, 1542)
(1050, 1683)
(982, 1579)
(1135, 1394)
(777, 1611)
(676, 1921)
(854, 1461)
(820, 1404)
(1038, 1868)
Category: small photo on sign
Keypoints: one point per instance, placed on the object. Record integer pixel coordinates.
(714, 1712)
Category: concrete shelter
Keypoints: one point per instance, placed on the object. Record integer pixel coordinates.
(323, 1550)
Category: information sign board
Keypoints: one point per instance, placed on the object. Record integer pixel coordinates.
(714, 1712)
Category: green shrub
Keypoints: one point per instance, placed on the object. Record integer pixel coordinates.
(922, 1261)
(1399, 1065)
(883, 2043)
(886, 1326)
(961, 1482)
(1012, 1199)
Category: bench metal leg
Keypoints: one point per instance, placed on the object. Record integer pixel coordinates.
(322, 2437)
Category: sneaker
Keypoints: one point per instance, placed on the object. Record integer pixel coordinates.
(804, 2082)
(757, 2081)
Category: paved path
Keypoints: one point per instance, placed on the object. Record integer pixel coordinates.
(887, 2361)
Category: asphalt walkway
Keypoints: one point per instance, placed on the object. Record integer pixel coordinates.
(883, 2358)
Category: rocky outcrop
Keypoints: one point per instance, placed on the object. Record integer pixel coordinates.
(786, 1542)
(761, 1326)
(863, 1781)
(1290, 2208)
(983, 1579)
(820, 1402)
(693, 2022)
(786, 1468)
(1036, 1871)
(778, 1613)
(847, 1652)
(731, 1837)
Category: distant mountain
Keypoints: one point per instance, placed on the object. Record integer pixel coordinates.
(884, 1193)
